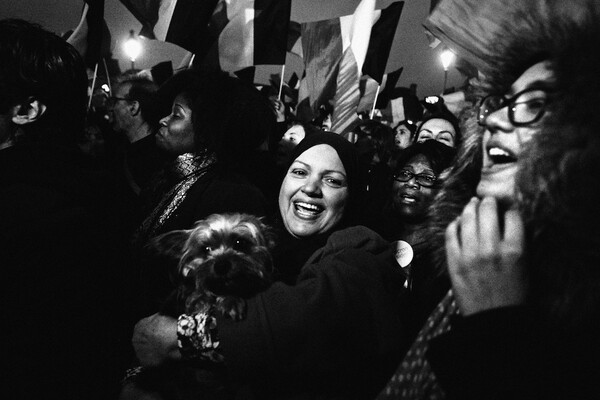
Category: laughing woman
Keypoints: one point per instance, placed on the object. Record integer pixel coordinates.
(334, 333)
(521, 321)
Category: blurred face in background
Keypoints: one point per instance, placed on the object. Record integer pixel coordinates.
(289, 140)
(314, 192)
(176, 133)
(403, 136)
(437, 129)
(119, 115)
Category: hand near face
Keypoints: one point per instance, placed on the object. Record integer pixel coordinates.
(155, 340)
(485, 264)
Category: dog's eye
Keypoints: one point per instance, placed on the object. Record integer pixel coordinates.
(241, 244)
(207, 249)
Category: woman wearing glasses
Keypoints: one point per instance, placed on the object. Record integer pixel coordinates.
(521, 321)
(415, 172)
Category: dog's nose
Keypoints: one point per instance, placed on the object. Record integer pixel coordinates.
(221, 267)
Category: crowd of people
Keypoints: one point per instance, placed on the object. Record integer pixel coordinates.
(449, 255)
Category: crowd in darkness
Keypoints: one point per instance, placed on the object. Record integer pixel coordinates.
(450, 254)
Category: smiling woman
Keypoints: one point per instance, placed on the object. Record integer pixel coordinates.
(314, 192)
(322, 317)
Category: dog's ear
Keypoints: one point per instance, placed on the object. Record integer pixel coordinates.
(268, 232)
(270, 236)
(169, 244)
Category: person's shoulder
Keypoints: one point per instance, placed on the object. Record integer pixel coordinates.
(356, 239)
(228, 193)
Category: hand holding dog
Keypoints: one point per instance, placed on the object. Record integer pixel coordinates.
(155, 340)
(485, 264)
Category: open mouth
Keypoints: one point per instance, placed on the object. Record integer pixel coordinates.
(408, 199)
(500, 156)
(307, 210)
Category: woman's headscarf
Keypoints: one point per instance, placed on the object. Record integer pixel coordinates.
(291, 253)
(349, 157)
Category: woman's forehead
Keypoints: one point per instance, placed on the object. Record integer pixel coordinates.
(537, 73)
(322, 156)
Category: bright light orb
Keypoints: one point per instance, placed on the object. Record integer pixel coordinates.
(132, 47)
(447, 58)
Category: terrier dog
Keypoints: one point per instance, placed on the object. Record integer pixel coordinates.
(222, 261)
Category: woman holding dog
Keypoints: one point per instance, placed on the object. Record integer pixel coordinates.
(335, 333)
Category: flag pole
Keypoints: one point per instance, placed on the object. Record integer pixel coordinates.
(281, 81)
(107, 76)
(93, 84)
(375, 102)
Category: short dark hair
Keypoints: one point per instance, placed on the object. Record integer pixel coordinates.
(37, 63)
(438, 154)
(447, 116)
(143, 90)
(379, 135)
(230, 116)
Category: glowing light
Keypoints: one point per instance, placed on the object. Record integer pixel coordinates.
(132, 47)
(447, 58)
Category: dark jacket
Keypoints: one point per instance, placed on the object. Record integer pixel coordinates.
(335, 334)
(547, 348)
(62, 271)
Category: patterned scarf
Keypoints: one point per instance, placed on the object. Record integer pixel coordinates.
(184, 172)
(414, 378)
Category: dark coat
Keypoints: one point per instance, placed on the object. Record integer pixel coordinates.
(62, 267)
(335, 334)
(547, 348)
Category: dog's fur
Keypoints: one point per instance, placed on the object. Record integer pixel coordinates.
(222, 261)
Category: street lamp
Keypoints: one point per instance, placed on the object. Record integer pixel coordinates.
(132, 48)
(447, 58)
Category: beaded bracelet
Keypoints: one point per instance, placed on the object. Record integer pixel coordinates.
(197, 336)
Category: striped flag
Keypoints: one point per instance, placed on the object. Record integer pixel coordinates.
(334, 51)
(91, 38)
(347, 94)
(372, 91)
(230, 34)
(182, 22)
(380, 43)
(250, 32)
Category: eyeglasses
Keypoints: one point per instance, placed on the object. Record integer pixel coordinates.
(112, 100)
(524, 108)
(425, 180)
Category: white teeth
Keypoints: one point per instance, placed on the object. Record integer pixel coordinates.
(308, 206)
(495, 151)
(409, 199)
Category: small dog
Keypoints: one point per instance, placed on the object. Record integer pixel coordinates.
(222, 261)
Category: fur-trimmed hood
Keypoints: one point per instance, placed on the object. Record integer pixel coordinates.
(559, 176)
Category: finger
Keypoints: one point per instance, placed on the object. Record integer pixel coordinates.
(453, 246)
(468, 228)
(489, 231)
(514, 231)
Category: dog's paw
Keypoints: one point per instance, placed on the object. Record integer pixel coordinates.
(233, 307)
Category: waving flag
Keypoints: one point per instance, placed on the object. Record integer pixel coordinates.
(334, 51)
(250, 32)
(91, 38)
(347, 94)
(380, 43)
(182, 22)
